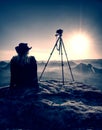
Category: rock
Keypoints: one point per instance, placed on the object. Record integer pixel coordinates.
(72, 106)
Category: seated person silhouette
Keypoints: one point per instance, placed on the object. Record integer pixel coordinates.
(23, 68)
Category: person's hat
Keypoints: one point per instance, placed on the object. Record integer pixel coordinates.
(22, 47)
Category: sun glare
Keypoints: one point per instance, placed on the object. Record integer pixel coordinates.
(79, 44)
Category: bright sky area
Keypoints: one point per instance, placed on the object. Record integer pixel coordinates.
(35, 22)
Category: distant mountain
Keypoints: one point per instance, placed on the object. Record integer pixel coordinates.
(3, 66)
(3, 63)
(94, 62)
(56, 63)
(87, 68)
(7, 66)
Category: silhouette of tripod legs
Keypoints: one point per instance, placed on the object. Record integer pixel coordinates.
(48, 59)
(60, 47)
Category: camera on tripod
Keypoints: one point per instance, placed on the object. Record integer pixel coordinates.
(59, 32)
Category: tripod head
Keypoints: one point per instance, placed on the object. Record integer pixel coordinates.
(59, 32)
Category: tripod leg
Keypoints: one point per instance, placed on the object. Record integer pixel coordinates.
(48, 60)
(68, 61)
(62, 64)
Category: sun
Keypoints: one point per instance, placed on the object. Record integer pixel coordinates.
(79, 44)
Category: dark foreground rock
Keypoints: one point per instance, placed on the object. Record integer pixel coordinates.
(55, 107)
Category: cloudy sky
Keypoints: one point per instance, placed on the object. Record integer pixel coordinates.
(35, 22)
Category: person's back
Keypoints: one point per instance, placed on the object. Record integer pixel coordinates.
(23, 69)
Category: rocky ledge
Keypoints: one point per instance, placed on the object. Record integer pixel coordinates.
(56, 106)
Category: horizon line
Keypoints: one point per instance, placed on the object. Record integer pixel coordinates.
(63, 60)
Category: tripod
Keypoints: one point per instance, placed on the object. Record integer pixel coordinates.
(60, 47)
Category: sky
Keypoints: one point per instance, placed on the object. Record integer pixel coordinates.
(35, 22)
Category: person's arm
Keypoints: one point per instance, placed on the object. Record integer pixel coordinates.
(34, 69)
(12, 81)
